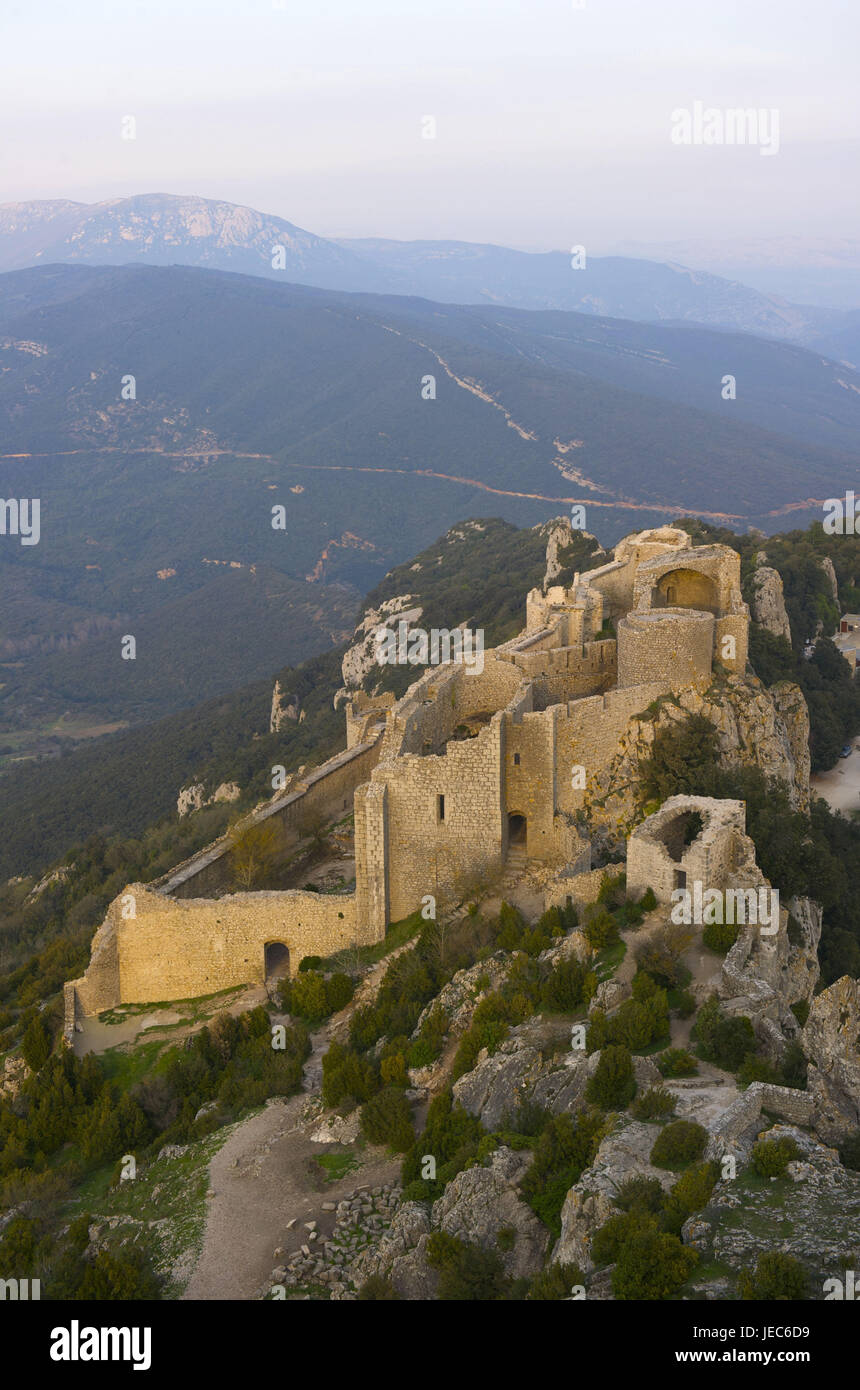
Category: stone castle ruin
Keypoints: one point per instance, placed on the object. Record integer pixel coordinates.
(470, 774)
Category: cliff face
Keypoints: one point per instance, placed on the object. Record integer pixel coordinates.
(756, 727)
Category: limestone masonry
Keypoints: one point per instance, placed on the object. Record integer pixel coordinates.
(467, 773)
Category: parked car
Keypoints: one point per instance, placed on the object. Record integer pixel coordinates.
(846, 751)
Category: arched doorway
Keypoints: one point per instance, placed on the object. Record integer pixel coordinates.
(686, 588)
(277, 960)
(517, 829)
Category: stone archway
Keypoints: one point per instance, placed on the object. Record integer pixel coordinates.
(517, 829)
(276, 960)
(686, 588)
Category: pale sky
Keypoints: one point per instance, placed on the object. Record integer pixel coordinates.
(553, 122)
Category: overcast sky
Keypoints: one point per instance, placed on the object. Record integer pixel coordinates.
(553, 123)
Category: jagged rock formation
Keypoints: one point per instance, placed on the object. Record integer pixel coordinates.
(284, 707)
(194, 798)
(769, 602)
(831, 1041)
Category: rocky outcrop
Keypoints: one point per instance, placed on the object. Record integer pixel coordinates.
(360, 660)
(811, 1214)
(768, 602)
(284, 707)
(480, 1204)
(756, 727)
(194, 798)
(191, 798)
(831, 1041)
(830, 575)
(400, 1255)
(625, 1153)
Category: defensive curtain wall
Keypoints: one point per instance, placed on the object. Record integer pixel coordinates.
(465, 764)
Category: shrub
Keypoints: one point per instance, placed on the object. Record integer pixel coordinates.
(676, 1061)
(339, 989)
(778, 1278)
(849, 1151)
(652, 1266)
(725, 1041)
(640, 1194)
(554, 1283)
(613, 1084)
(720, 936)
(800, 1009)
(654, 1104)
(377, 1287)
(452, 1136)
(689, 1194)
(648, 901)
(565, 988)
(466, 1272)
(310, 963)
(347, 1076)
(36, 1045)
(618, 1231)
(685, 1005)
(771, 1157)
(680, 1143)
(489, 1028)
(563, 1150)
(600, 929)
(387, 1119)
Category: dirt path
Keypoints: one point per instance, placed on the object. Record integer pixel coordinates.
(265, 1176)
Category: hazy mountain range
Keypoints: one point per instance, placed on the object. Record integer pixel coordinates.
(164, 229)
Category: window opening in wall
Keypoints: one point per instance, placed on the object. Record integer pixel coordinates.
(680, 878)
(440, 806)
(516, 760)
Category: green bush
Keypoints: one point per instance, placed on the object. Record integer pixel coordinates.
(377, 1287)
(654, 1104)
(849, 1151)
(648, 901)
(563, 1150)
(778, 1278)
(771, 1157)
(680, 1143)
(676, 1061)
(613, 1084)
(490, 1025)
(452, 1137)
(466, 1272)
(555, 1283)
(800, 1009)
(720, 936)
(640, 1194)
(347, 1076)
(652, 1266)
(689, 1194)
(387, 1119)
(618, 1231)
(36, 1045)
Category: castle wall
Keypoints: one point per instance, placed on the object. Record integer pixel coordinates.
(588, 732)
(182, 949)
(671, 644)
(433, 854)
(569, 673)
(325, 791)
